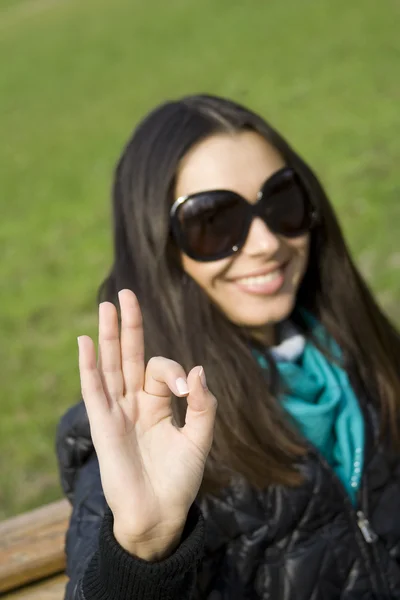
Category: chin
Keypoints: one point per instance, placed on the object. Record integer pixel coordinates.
(274, 311)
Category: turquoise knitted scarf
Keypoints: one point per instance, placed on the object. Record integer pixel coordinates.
(321, 400)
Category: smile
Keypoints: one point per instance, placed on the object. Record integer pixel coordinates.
(267, 284)
(260, 279)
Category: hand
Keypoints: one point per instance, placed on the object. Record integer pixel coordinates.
(151, 470)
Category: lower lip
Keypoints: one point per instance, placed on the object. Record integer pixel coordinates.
(263, 289)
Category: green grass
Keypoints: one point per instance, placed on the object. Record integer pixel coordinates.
(75, 77)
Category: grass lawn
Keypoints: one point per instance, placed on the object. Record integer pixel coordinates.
(76, 75)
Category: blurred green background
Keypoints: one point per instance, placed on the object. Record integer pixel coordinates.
(76, 75)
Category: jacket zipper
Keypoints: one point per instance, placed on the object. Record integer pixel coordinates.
(369, 533)
(360, 514)
(359, 518)
(365, 527)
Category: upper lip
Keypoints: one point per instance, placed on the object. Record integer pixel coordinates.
(261, 271)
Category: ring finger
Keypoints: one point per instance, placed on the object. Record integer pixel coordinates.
(110, 352)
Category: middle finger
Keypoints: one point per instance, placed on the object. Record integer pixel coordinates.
(132, 342)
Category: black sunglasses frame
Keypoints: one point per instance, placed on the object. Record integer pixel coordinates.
(253, 210)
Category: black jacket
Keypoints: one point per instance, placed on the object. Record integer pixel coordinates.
(307, 543)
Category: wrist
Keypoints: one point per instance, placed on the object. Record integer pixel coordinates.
(158, 547)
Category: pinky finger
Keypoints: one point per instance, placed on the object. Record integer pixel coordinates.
(91, 385)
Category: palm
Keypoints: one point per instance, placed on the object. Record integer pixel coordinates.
(150, 470)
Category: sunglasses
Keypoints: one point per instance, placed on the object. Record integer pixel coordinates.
(214, 224)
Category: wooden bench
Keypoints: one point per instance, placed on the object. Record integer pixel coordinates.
(32, 559)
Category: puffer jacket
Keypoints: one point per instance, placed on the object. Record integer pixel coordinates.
(307, 543)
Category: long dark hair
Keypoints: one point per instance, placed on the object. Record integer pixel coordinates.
(253, 436)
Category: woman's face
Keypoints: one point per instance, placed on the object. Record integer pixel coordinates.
(257, 286)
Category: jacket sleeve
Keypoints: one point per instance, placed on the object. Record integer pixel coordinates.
(97, 566)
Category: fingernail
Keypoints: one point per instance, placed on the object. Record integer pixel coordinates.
(203, 379)
(79, 341)
(182, 386)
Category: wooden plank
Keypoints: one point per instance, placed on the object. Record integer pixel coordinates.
(49, 589)
(32, 545)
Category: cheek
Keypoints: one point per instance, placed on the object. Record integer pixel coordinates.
(204, 274)
(300, 251)
(300, 248)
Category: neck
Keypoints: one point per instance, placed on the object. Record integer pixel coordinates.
(265, 335)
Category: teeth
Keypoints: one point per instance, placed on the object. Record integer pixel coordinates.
(260, 279)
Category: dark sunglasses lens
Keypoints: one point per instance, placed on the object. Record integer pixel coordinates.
(287, 209)
(212, 223)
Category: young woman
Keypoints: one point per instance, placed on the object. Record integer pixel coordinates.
(290, 489)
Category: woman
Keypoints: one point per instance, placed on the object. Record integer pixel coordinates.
(291, 488)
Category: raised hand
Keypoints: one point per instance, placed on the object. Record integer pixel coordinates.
(151, 470)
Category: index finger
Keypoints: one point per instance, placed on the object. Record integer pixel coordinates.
(132, 342)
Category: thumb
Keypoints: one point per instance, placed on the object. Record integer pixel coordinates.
(201, 411)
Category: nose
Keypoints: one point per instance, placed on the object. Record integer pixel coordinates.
(260, 240)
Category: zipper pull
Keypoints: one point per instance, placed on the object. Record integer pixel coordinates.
(365, 527)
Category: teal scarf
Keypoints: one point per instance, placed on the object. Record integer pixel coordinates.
(320, 398)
